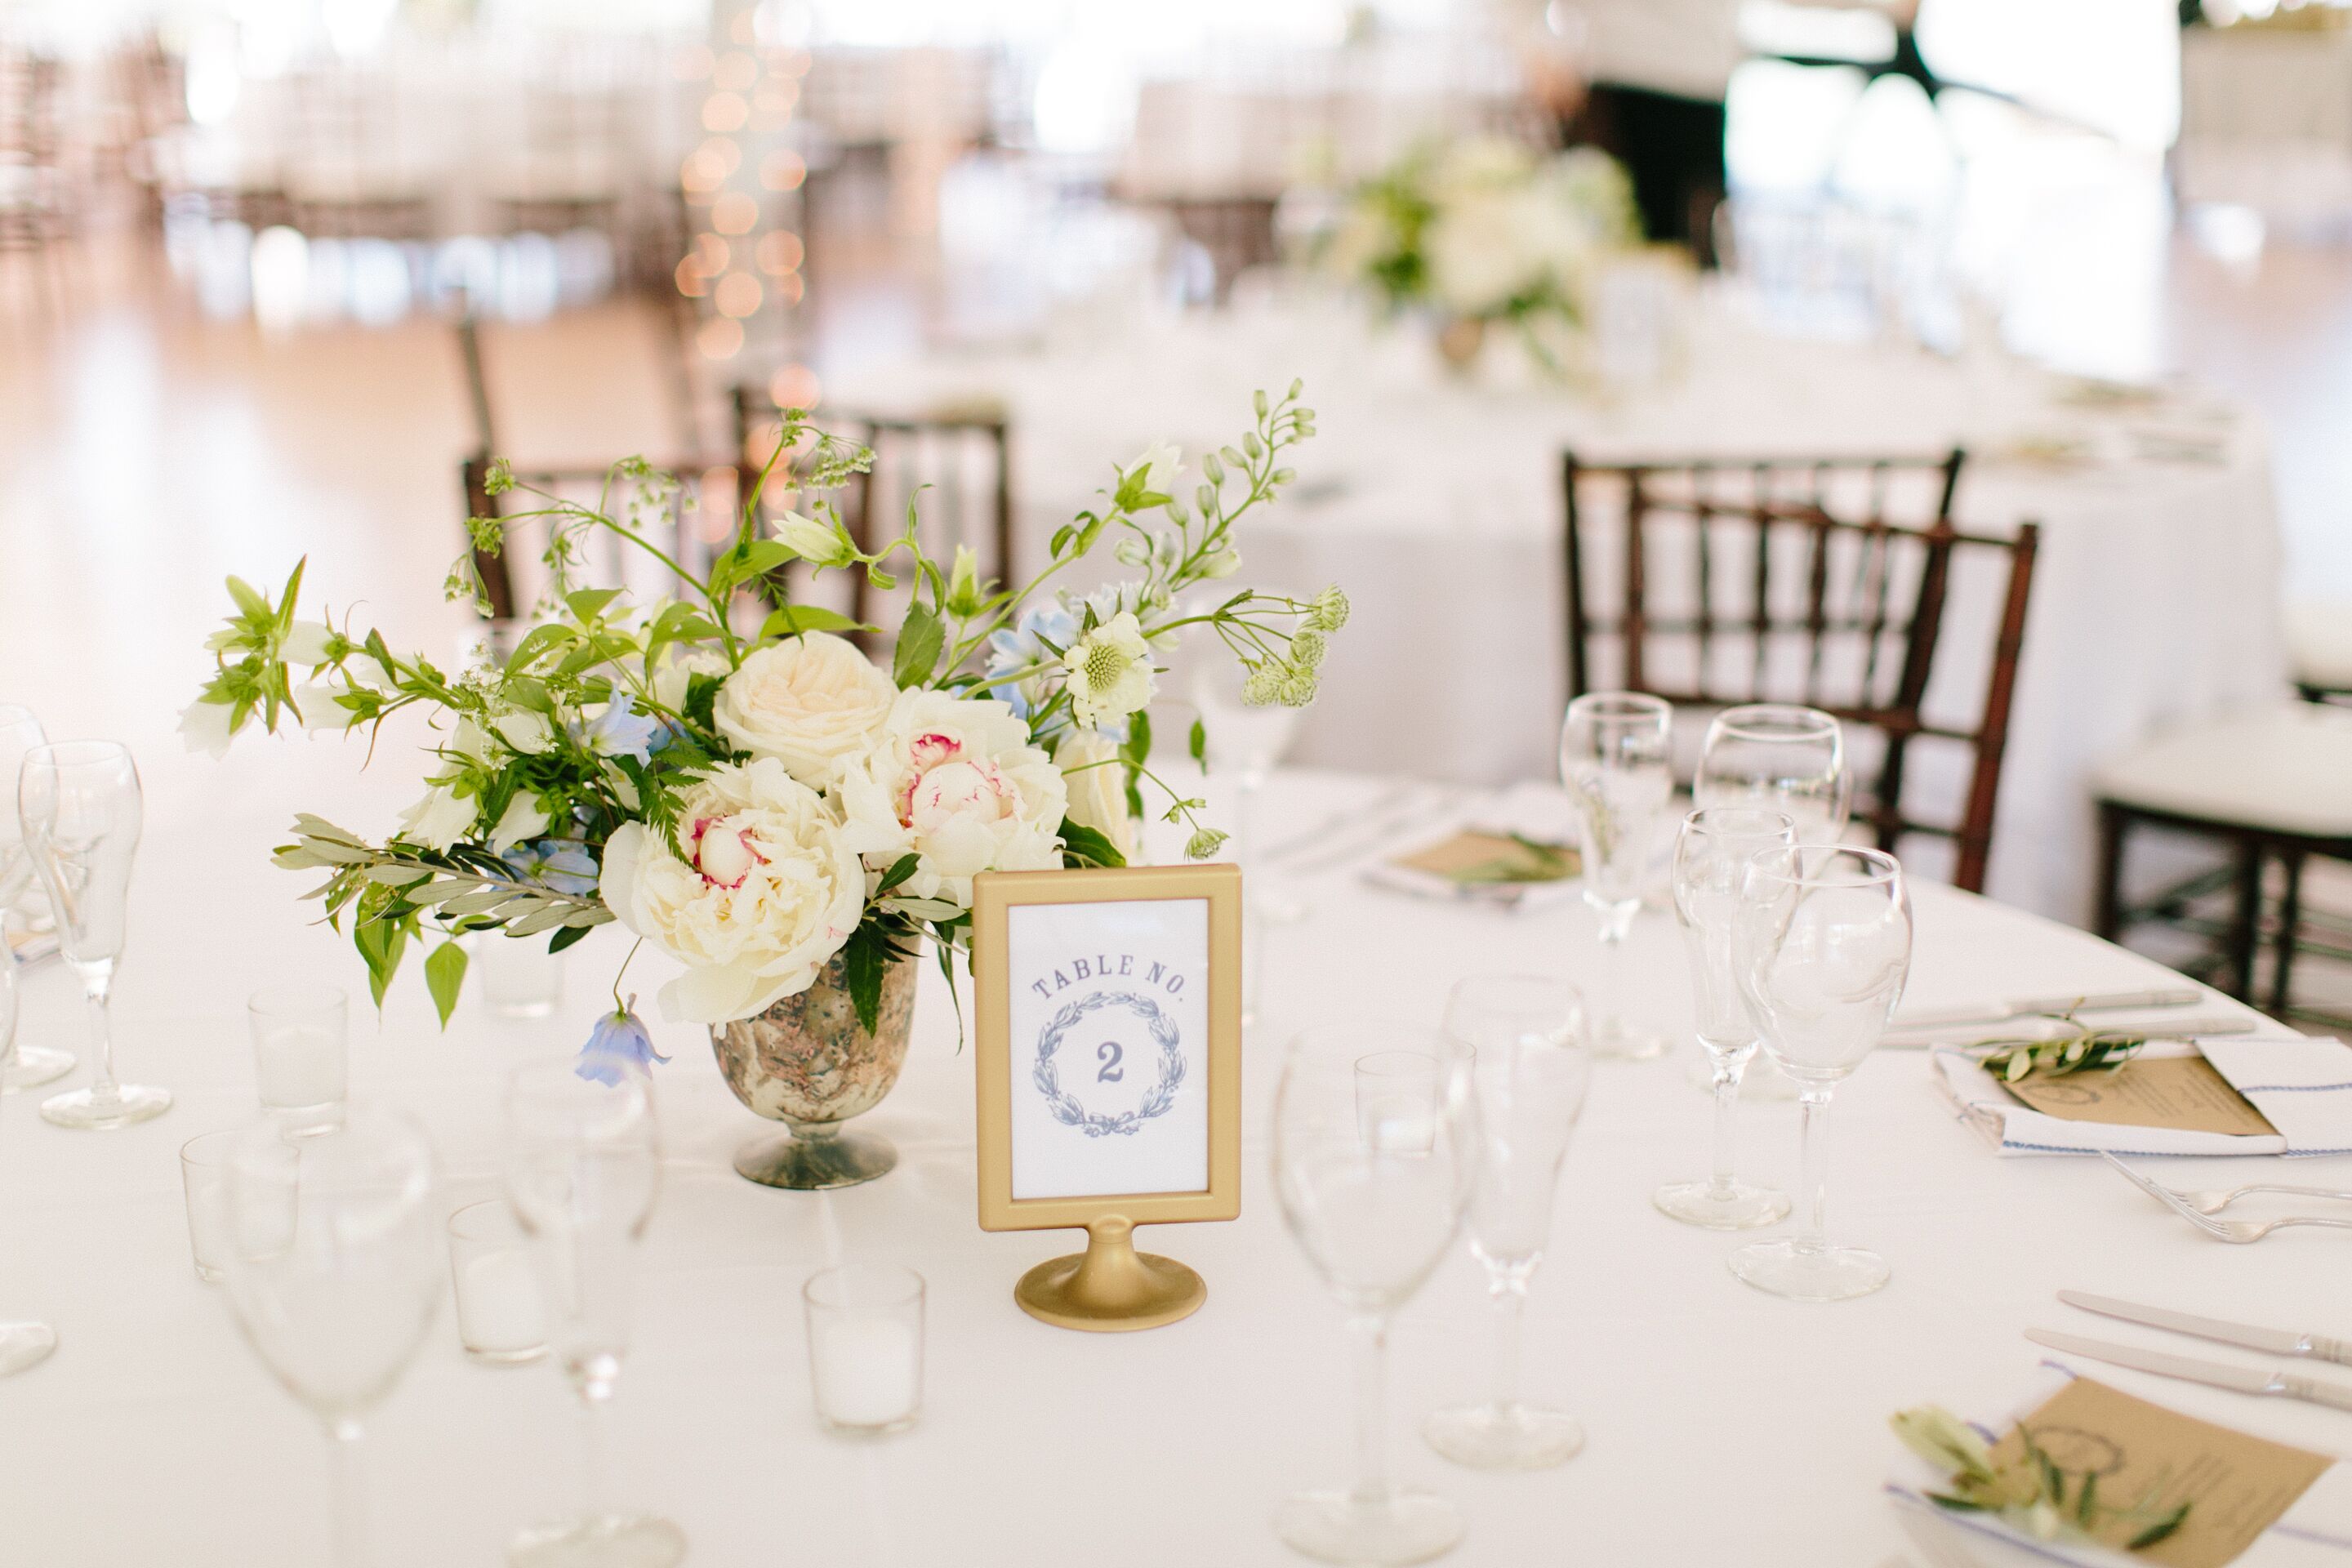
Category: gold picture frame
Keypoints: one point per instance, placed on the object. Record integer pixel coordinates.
(1110, 1285)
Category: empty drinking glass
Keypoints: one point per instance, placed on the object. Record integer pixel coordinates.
(1613, 758)
(21, 1344)
(1375, 1152)
(1529, 1073)
(79, 807)
(1821, 948)
(333, 1272)
(300, 1058)
(501, 1315)
(1711, 857)
(22, 1066)
(866, 1347)
(1788, 758)
(583, 1169)
(205, 1162)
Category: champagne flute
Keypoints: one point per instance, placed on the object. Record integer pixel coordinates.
(333, 1270)
(1375, 1151)
(1711, 857)
(1821, 947)
(1773, 754)
(21, 1344)
(582, 1170)
(1613, 758)
(78, 804)
(25, 1067)
(1529, 1075)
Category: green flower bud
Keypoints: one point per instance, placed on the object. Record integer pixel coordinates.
(1204, 844)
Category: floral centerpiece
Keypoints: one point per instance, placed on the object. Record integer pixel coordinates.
(730, 776)
(1485, 230)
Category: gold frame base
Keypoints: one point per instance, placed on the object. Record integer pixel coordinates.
(1111, 1288)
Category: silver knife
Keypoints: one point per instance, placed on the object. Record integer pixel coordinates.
(2218, 1374)
(2192, 1028)
(2094, 1002)
(2278, 1341)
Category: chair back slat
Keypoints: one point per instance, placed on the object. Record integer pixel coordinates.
(1825, 582)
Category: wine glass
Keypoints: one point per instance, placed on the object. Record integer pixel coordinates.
(1375, 1151)
(79, 806)
(1529, 1074)
(1772, 755)
(1245, 742)
(21, 1344)
(1613, 758)
(1821, 947)
(333, 1264)
(25, 1067)
(582, 1170)
(1711, 857)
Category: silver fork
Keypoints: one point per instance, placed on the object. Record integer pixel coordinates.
(2215, 1201)
(2238, 1231)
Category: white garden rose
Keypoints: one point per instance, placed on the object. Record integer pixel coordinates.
(814, 702)
(1098, 786)
(1481, 255)
(773, 890)
(955, 781)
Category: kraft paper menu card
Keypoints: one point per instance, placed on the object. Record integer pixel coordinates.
(1470, 856)
(2182, 1093)
(2237, 1486)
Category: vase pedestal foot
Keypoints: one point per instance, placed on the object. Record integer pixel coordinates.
(815, 1157)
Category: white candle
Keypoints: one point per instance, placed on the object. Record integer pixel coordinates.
(499, 1310)
(300, 1067)
(868, 1368)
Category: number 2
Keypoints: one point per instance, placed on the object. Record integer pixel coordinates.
(1109, 1053)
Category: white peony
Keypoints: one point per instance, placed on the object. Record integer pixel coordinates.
(772, 891)
(955, 781)
(813, 702)
(1097, 786)
(1481, 252)
(1108, 671)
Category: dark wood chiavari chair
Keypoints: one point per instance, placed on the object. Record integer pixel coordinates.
(690, 525)
(1724, 581)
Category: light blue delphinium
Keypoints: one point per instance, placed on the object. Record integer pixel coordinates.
(563, 865)
(619, 1043)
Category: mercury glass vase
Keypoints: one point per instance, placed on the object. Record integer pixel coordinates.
(808, 1063)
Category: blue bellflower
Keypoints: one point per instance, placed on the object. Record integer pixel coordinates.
(619, 1043)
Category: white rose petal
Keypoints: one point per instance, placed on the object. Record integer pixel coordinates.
(1097, 787)
(813, 702)
(956, 782)
(205, 725)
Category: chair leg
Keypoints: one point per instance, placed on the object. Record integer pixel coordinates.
(2246, 926)
(2112, 821)
(2289, 922)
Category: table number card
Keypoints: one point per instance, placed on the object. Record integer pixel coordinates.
(1108, 1063)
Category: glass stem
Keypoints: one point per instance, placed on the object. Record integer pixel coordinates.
(349, 1482)
(1812, 1110)
(1371, 1409)
(592, 1504)
(1510, 1291)
(99, 990)
(1615, 920)
(1728, 1072)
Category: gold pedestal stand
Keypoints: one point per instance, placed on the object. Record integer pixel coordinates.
(1111, 1288)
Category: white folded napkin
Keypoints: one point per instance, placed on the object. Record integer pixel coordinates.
(2317, 1533)
(2302, 1087)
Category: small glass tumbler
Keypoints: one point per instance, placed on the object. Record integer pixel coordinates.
(302, 1060)
(517, 976)
(502, 1314)
(866, 1347)
(204, 1168)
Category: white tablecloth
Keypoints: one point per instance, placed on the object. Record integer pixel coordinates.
(1437, 504)
(1724, 1426)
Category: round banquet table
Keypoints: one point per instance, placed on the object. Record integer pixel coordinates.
(1725, 1427)
(1435, 500)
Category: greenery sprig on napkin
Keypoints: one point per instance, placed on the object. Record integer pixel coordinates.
(2036, 1494)
(2080, 1048)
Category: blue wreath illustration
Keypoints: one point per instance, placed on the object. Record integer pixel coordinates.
(1066, 1108)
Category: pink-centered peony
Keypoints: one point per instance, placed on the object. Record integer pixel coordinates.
(955, 782)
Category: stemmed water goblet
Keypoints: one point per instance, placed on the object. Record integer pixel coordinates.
(21, 1344)
(1711, 857)
(330, 1256)
(78, 804)
(1775, 754)
(582, 1170)
(1529, 1074)
(1821, 948)
(1375, 1152)
(1613, 758)
(24, 1066)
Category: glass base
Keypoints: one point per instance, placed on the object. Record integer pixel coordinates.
(1832, 1274)
(25, 1344)
(1743, 1205)
(524, 1356)
(1399, 1526)
(1505, 1436)
(641, 1542)
(29, 1066)
(83, 1109)
(1612, 1039)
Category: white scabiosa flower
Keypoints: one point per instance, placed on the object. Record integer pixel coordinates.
(954, 781)
(1108, 671)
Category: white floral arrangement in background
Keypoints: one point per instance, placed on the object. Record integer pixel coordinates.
(730, 776)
